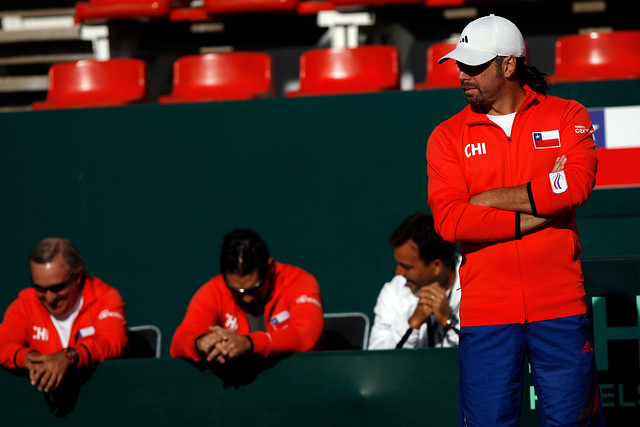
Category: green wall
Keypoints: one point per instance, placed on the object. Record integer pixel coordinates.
(310, 389)
(374, 388)
(147, 192)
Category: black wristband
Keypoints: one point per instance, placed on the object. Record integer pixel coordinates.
(532, 202)
(195, 341)
(250, 342)
(89, 360)
(518, 232)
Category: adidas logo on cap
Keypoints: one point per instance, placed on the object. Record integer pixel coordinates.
(484, 39)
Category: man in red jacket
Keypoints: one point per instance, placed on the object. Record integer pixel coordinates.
(255, 306)
(66, 319)
(506, 175)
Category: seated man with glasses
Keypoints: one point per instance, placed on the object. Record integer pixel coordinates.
(254, 306)
(64, 320)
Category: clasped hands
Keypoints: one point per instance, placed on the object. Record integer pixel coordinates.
(222, 344)
(47, 370)
(432, 299)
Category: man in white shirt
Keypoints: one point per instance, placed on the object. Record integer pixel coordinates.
(419, 306)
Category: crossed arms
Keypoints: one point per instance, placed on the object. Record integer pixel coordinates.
(516, 199)
(503, 213)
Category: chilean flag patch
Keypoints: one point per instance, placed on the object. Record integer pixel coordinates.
(86, 332)
(547, 139)
(279, 318)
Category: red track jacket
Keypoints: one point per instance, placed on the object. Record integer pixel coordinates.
(293, 315)
(99, 331)
(507, 278)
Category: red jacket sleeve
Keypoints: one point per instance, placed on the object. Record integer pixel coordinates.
(14, 336)
(580, 169)
(110, 337)
(305, 325)
(455, 219)
(199, 316)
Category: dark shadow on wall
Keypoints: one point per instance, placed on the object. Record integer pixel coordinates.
(240, 372)
(61, 402)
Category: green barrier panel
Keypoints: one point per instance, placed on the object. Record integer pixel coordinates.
(315, 389)
(613, 287)
(147, 192)
(402, 387)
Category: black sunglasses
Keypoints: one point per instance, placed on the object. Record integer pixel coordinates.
(53, 288)
(474, 70)
(247, 291)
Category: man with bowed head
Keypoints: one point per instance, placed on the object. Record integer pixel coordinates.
(506, 175)
(254, 306)
(64, 320)
(419, 306)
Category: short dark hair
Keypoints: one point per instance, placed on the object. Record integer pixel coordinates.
(419, 228)
(243, 252)
(46, 249)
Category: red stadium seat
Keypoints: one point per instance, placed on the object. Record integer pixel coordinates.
(219, 77)
(236, 6)
(440, 75)
(597, 56)
(100, 10)
(333, 71)
(338, 3)
(93, 83)
(312, 7)
(192, 14)
(444, 3)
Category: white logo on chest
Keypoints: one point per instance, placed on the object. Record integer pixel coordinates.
(231, 322)
(475, 149)
(40, 333)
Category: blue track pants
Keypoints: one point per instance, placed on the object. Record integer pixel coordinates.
(560, 352)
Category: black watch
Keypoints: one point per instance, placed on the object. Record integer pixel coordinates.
(452, 322)
(72, 355)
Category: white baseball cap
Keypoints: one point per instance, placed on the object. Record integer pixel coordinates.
(484, 39)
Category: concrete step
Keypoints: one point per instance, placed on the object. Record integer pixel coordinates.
(24, 83)
(44, 59)
(17, 36)
(14, 108)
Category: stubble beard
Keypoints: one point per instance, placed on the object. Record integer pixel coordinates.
(475, 99)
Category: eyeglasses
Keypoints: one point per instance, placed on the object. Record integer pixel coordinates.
(247, 291)
(53, 288)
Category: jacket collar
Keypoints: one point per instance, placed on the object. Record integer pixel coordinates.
(476, 115)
